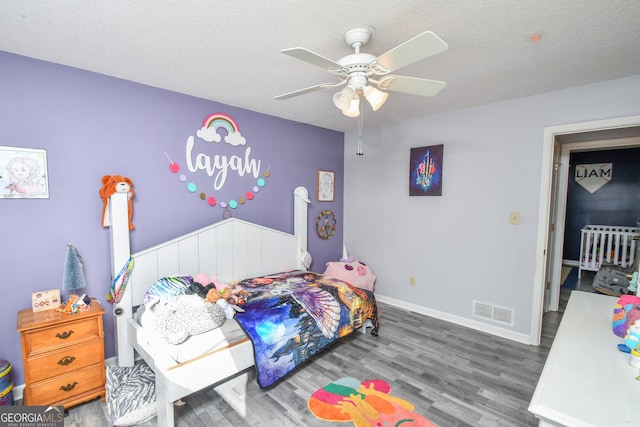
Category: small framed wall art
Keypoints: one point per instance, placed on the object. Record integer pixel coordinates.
(23, 173)
(425, 171)
(326, 185)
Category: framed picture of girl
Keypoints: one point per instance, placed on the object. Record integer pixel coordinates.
(23, 173)
(326, 185)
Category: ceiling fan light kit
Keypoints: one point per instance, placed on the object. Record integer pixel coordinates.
(361, 71)
(343, 99)
(353, 110)
(375, 97)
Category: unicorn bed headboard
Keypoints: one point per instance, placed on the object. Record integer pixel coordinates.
(232, 249)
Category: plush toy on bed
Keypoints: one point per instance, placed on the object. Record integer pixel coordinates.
(201, 285)
(185, 315)
(226, 297)
(115, 184)
(352, 271)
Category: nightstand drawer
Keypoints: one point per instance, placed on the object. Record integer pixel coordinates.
(61, 335)
(63, 356)
(67, 386)
(65, 360)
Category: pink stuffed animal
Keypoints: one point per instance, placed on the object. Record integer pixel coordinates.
(202, 278)
(352, 271)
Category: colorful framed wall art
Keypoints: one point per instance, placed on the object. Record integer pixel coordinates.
(425, 171)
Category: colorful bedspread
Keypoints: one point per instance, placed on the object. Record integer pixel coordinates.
(292, 316)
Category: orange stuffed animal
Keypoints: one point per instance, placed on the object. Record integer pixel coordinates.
(115, 184)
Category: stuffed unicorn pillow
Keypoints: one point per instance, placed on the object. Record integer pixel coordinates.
(352, 271)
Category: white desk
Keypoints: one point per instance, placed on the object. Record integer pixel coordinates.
(586, 380)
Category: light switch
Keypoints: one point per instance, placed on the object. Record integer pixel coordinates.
(514, 218)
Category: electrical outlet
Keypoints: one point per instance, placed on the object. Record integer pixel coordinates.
(412, 280)
(514, 218)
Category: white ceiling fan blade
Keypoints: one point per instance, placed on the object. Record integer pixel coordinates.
(308, 89)
(312, 58)
(418, 48)
(412, 85)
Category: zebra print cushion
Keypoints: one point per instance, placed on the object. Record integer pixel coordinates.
(166, 288)
(131, 395)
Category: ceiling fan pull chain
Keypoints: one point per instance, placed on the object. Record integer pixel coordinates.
(359, 151)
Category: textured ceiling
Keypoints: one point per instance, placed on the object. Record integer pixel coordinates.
(230, 51)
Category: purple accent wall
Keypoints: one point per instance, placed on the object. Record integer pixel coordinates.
(93, 125)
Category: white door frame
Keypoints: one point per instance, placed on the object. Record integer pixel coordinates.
(544, 211)
(561, 208)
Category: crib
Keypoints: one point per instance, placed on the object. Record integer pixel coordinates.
(614, 245)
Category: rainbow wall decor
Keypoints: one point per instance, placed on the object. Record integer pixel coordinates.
(217, 120)
(213, 123)
(214, 126)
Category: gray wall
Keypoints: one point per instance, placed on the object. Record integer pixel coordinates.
(460, 247)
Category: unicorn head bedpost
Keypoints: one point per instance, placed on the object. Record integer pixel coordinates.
(120, 253)
(301, 199)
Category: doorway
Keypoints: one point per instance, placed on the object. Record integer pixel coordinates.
(582, 142)
(584, 136)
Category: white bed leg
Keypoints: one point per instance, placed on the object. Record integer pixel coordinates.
(367, 324)
(234, 392)
(165, 408)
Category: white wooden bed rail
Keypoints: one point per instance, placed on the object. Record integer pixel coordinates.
(177, 380)
(609, 244)
(231, 249)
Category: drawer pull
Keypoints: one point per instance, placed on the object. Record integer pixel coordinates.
(68, 387)
(64, 335)
(67, 360)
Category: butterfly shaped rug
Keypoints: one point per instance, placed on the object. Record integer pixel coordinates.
(367, 403)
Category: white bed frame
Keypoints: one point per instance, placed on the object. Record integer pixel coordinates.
(231, 249)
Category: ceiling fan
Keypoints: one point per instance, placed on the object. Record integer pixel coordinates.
(360, 71)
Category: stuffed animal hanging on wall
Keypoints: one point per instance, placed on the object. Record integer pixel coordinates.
(115, 184)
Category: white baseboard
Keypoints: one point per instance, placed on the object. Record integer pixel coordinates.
(18, 392)
(462, 321)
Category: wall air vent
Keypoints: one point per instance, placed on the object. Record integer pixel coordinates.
(493, 312)
(482, 310)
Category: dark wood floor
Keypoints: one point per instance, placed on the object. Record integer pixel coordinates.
(453, 375)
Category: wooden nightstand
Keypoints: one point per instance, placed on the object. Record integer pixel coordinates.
(63, 356)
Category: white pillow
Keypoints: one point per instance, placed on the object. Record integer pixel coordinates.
(186, 315)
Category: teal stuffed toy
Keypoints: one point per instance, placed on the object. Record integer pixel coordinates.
(633, 284)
